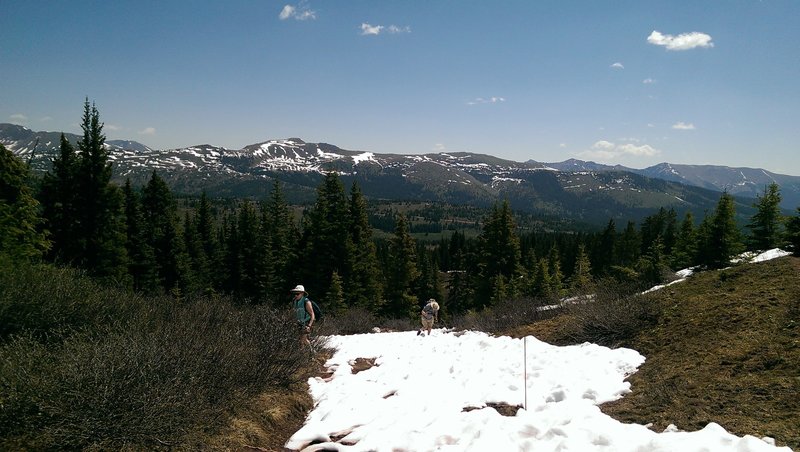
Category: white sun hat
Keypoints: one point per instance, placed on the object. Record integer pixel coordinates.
(299, 288)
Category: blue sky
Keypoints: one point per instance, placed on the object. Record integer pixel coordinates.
(629, 82)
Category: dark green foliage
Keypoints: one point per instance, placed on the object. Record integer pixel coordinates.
(327, 237)
(719, 236)
(401, 272)
(582, 274)
(20, 238)
(500, 255)
(163, 236)
(281, 236)
(685, 249)
(793, 232)
(61, 205)
(766, 225)
(363, 286)
(101, 235)
(141, 258)
(334, 297)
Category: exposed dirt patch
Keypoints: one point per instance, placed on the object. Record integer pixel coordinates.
(501, 407)
(362, 364)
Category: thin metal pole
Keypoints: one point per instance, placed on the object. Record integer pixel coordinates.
(525, 368)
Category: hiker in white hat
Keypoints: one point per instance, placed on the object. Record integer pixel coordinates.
(304, 312)
(428, 315)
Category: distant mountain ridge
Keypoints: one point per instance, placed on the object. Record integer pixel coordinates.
(748, 182)
(572, 190)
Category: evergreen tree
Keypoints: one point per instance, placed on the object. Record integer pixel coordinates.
(207, 236)
(652, 265)
(629, 246)
(141, 259)
(334, 297)
(20, 237)
(766, 224)
(101, 232)
(542, 286)
(670, 231)
(328, 238)
(401, 272)
(722, 240)
(282, 235)
(686, 244)
(60, 205)
(500, 254)
(499, 291)
(581, 275)
(161, 230)
(554, 271)
(250, 256)
(363, 285)
(606, 250)
(198, 279)
(793, 232)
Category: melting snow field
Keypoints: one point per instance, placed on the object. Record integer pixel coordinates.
(433, 393)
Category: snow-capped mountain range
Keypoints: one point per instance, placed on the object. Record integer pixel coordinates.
(572, 189)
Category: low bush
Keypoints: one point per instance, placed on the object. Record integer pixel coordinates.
(166, 374)
(612, 316)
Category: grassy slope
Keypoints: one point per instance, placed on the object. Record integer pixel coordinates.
(726, 349)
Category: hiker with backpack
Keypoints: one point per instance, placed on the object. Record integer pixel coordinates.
(304, 312)
(429, 315)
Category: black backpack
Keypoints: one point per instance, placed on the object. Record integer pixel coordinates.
(317, 310)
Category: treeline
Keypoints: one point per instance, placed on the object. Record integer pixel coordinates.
(138, 238)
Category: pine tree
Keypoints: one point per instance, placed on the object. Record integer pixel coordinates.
(500, 253)
(581, 275)
(101, 217)
(250, 256)
(20, 237)
(652, 265)
(686, 244)
(334, 297)
(207, 235)
(554, 270)
(629, 246)
(542, 286)
(141, 259)
(766, 225)
(282, 235)
(722, 240)
(161, 230)
(363, 285)
(605, 252)
(60, 205)
(793, 232)
(328, 238)
(401, 272)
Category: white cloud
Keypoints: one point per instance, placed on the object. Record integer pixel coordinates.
(562, 145)
(617, 65)
(439, 147)
(18, 118)
(490, 100)
(683, 126)
(112, 127)
(648, 81)
(367, 29)
(148, 131)
(606, 150)
(299, 12)
(685, 41)
(46, 119)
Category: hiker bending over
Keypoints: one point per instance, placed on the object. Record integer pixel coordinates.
(304, 312)
(428, 315)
